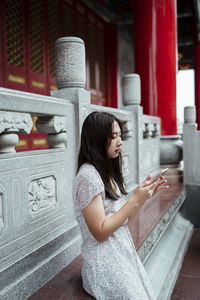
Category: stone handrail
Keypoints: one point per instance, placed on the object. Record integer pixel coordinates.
(16, 109)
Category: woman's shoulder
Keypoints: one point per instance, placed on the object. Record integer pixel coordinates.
(88, 179)
(89, 172)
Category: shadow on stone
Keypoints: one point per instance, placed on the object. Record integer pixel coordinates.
(191, 206)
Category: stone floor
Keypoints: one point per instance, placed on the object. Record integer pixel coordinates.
(67, 284)
(187, 286)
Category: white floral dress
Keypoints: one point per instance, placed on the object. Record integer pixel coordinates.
(111, 270)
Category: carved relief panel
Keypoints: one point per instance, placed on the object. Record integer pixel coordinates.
(42, 195)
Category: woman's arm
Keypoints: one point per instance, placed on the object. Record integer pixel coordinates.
(102, 227)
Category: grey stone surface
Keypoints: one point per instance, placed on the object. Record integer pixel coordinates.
(26, 276)
(81, 101)
(171, 149)
(35, 198)
(191, 207)
(153, 238)
(35, 104)
(166, 259)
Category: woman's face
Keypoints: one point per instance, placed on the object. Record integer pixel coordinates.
(116, 142)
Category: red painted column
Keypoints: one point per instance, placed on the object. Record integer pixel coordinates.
(197, 82)
(156, 59)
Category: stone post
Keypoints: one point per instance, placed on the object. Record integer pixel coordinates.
(189, 114)
(70, 63)
(71, 78)
(190, 148)
(145, 128)
(131, 91)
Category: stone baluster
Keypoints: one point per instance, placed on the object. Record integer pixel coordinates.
(71, 78)
(127, 130)
(155, 131)
(131, 92)
(56, 128)
(12, 123)
(146, 131)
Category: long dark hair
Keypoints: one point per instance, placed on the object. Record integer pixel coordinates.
(95, 138)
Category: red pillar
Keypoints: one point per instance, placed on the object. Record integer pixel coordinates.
(197, 83)
(156, 59)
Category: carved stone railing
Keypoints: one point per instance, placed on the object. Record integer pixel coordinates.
(36, 207)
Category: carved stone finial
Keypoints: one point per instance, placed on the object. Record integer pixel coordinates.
(190, 114)
(70, 62)
(131, 88)
(15, 122)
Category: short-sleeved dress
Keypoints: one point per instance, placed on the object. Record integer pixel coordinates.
(111, 270)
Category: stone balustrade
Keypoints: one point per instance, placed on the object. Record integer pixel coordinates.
(38, 230)
(36, 210)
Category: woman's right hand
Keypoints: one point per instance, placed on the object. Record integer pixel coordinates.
(147, 189)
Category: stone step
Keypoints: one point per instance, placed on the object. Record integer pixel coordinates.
(166, 259)
(187, 284)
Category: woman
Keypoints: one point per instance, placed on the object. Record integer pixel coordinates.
(111, 268)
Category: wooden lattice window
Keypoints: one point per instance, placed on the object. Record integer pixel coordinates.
(68, 21)
(36, 29)
(53, 32)
(14, 28)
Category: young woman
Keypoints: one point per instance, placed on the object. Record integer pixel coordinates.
(111, 268)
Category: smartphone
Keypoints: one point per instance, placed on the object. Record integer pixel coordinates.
(156, 177)
(164, 171)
